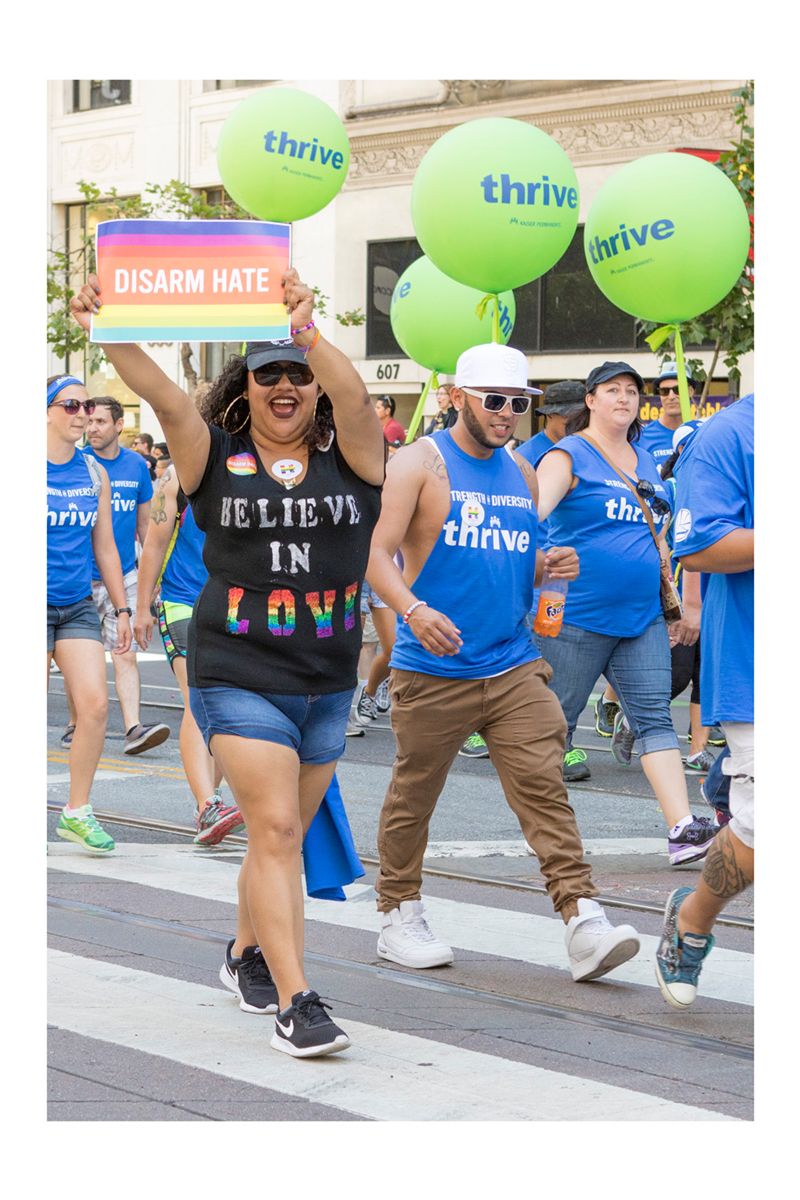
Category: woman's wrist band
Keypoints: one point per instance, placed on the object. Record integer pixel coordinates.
(417, 604)
(312, 343)
(303, 328)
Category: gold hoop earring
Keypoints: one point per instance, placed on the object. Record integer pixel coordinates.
(236, 400)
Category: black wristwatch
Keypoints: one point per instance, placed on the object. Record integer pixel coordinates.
(117, 611)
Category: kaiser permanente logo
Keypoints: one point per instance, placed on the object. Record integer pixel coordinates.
(309, 151)
(629, 238)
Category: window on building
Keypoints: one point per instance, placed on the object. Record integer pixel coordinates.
(99, 93)
(386, 262)
(213, 357)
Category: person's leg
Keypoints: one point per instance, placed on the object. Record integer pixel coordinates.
(640, 671)
(264, 778)
(729, 865)
(83, 666)
(525, 731)
(202, 771)
(686, 938)
(578, 658)
(384, 620)
(128, 687)
(314, 781)
(431, 716)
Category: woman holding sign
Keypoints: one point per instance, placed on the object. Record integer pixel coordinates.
(284, 476)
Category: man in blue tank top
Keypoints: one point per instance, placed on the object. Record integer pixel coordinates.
(462, 512)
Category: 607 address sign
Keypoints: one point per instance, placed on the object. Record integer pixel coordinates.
(388, 370)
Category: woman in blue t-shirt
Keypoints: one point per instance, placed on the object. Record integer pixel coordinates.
(614, 622)
(78, 524)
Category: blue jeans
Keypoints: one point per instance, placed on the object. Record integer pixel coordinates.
(638, 668)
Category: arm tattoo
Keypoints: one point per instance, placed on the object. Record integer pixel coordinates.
(158, 513)
(721, 872)
(436, 466)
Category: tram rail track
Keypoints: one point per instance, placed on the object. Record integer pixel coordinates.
(152, 824)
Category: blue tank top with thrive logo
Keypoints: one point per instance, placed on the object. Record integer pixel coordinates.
(130, 487)
(618, 590)
(185, 573)
(480, 570)
(72, 498)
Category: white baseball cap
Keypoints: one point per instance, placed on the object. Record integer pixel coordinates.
(493, 365)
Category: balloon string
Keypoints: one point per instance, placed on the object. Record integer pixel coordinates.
(496, 319)
(417, 417)
(683, 386)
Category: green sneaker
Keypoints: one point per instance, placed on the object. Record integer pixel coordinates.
(474, 747)
(85, 830)
(576, 766)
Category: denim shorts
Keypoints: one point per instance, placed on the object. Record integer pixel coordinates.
(312, 726)
(78, 620)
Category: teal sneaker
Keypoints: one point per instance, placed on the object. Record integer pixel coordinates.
(576, 766)
(680, 960)
(85, 829)
(474, 747)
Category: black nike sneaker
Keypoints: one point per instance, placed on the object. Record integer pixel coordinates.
(250, 979)
(304, 1028)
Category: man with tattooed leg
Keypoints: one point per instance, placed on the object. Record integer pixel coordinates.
(714, 533)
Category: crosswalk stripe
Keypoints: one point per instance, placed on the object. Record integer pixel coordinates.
(384, 1075)
(727, 975)
(517, 848)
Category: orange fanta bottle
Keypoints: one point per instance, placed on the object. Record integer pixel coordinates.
(550, 613)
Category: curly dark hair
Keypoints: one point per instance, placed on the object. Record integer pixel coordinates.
(219, 407)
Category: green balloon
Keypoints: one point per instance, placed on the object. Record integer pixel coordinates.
(495, 203)
(283, 154)
(434, 318)
(667, 237)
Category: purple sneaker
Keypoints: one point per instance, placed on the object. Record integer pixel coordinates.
(692, 841)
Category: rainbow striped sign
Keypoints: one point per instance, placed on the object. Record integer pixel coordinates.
(191, 281)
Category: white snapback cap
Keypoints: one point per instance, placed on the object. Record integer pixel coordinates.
(494, 365)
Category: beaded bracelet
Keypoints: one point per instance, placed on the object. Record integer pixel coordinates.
(409, 611)
(303, 328)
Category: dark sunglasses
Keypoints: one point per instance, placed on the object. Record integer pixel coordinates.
(75, 406)
(647, 491)
(667, 391)
(495, 402)
(299, 374)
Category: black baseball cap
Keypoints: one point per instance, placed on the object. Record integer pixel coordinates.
(258, 354)
(562, 397)
(608, 370)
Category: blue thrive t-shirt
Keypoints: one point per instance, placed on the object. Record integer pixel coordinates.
(480, 570)
(72, 498)
(618, 591)
(656, 439)
(130, 486)
(715, 495)
(185, 573)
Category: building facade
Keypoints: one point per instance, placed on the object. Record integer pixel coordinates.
(125, 134)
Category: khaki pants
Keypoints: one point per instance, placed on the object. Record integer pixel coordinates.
(524, 728)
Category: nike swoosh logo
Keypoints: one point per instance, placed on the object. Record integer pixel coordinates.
(286, 1030)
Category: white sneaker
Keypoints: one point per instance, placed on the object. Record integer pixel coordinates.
(594, 945)
(406, 938)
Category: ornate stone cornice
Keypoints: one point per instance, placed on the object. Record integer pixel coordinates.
(603, 133)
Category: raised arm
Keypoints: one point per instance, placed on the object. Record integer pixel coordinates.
(163, 514)
(185, 430)
(358, 430)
